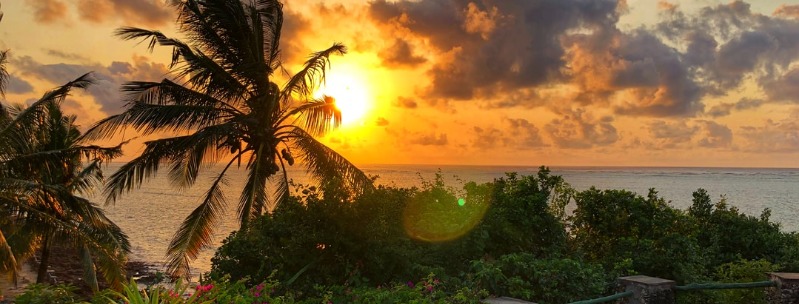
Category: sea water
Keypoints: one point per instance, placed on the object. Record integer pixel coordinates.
(152, 213)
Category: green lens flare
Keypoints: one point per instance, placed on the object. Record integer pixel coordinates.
(432, 217)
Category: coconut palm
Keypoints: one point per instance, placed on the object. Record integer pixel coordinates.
(42, 175)
(223, 96)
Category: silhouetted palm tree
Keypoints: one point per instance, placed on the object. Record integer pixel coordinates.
(41, 176)
(225, 99)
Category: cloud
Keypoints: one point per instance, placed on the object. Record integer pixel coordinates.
(405, 102)
(729, 43)
(637, 73)
(18, 85)
(487, 48)
(714, 135)
(67, 56)
(725, 109)
(785, 87)
(400, 55)
(579, 130)
(295, 25)
(48, 11)
(132, 12)
(479, 21)
(492, 50)
(670, 135)
(517, 134)
(429, 139)
(773, 136)
(488, 138)
(105, 91)
(785, 10)
(381, 122)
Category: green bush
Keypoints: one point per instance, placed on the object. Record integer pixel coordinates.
(730, 235)
(741, 272)
(614, 227)
(392, 234)
(47, 294)
(555, 280)
(510, 237)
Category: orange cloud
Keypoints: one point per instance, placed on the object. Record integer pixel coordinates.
(48, 11)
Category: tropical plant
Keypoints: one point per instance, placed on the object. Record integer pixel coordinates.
(224, 98)
(47, 294)
(41, 178)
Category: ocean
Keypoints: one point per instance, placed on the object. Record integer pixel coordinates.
(151, 214)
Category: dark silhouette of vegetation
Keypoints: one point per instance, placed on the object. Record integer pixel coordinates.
(225, 99)
(42, 175)
(525, 245)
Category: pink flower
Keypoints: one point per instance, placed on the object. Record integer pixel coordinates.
(429, 288)
(410, 284)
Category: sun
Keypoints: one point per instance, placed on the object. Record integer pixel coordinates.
(351, 94)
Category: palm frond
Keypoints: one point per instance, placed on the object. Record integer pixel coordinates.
(133, 173)
(201, 28)
(271, 12)
(282, 188)
(305, 81)
(196, 231)
(326, 165)
(88, 178)
(202, 71)
(3, 72)
(89, 272)
(168, 92)
(97, 238)
(253, 197)
(8, 260)
(43, 159)
(149, 118)
(24, 119)
(164, 106)
(320, 116)
(174, 149)
(205, 146)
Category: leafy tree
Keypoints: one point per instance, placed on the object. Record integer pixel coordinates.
(41, 177)
(616, 227)
(730, 235)
(226, 102)
(520, 218)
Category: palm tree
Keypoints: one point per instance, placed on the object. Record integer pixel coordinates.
(41, 177)
(225, 99)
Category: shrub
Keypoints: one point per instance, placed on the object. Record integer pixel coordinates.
(730, 235)
(47, 294)
(392, 234)
(612, 227)
(554, 280)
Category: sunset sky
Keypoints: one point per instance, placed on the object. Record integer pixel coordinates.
(482, 82)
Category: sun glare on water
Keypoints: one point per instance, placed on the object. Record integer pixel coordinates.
(351, 94)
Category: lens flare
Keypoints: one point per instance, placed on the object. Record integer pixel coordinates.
(440, 217)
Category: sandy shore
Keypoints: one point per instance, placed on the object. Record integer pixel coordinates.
(27, 276)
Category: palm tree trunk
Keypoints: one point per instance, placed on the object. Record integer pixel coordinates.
(42, 275)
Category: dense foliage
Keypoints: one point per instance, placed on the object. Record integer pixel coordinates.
(523, 243)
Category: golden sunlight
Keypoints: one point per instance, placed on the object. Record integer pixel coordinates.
(351, 94)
